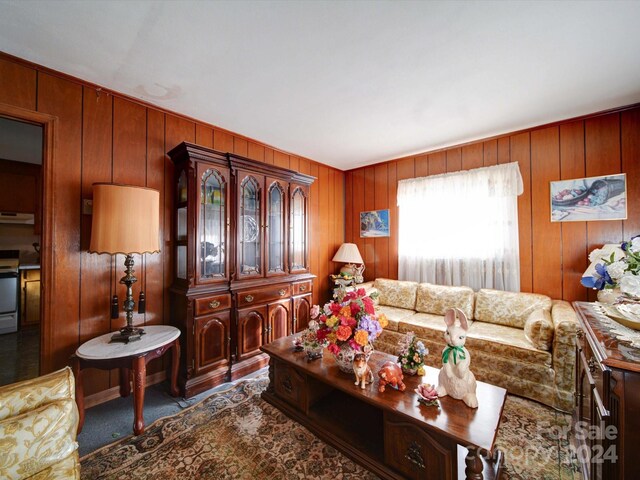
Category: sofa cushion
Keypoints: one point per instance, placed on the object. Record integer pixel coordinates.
(508, 308)
(24, 396)
(38, 439)
(437, 299)
(394, 315)
(539, 329)
(509, 342)
(425, 326)
(396, 293)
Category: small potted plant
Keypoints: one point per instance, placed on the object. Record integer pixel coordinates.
(412, 355)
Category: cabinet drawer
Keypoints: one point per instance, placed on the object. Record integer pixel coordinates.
(414, 452)
(263, 295)
(212, 304)
(302, 287)
(290, 385)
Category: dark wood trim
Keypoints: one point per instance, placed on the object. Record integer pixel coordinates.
(49, 135)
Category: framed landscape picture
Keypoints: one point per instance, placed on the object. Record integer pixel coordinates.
(593, 198)
(374, 223)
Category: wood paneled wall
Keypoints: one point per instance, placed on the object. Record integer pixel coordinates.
(107, 137)
(553, 256)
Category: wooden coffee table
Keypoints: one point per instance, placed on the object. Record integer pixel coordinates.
(388, 433)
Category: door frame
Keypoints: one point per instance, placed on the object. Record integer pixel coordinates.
(49, 125)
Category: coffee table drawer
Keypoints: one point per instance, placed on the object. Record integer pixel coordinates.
(414, 452)
(290, 385)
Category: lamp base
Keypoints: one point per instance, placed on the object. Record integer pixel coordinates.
(127, 334)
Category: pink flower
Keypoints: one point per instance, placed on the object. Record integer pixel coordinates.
(333, 348)
(315, 311)
(354, 345)
(426, 391)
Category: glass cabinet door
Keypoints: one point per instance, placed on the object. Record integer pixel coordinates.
(181, 226)
(275, 236)
(211, 245)
(298, 240)
(249, 226)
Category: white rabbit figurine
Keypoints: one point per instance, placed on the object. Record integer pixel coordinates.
(455, 378)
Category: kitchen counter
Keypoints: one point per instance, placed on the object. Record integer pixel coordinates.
(29, 266)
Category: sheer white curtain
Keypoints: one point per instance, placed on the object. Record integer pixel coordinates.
(461, 228)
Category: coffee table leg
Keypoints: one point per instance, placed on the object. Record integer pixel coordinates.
(77, 373)
(139, 379)
(175, 360)
(474, 465)
(125, 382)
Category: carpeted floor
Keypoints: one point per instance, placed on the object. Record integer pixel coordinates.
(234, 434)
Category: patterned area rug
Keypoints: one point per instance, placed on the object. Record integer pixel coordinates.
(234, 434)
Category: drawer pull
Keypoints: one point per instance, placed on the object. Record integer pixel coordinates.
(413, 454)
(592, 365)
(214, 304)
(282, 292)
(248, 298)
(303, 288)
(286, 384)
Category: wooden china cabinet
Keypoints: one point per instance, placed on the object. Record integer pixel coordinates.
(241, 250)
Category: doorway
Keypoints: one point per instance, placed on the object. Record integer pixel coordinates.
(21, 158)
(29, 357)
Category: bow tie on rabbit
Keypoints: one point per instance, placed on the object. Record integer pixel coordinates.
(455, 378)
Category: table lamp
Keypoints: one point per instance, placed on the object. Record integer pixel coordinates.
(349, 254)
(126, 220)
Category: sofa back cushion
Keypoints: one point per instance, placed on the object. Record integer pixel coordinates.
(30, 394)
(508, 308)
(539, 329)
(396, 293)
(436, 299)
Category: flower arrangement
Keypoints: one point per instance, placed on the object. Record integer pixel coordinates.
(616, 267)
(349, 319)
(412, 354)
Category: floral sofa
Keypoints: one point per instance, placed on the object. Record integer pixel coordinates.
(523, 342)
(38, 427)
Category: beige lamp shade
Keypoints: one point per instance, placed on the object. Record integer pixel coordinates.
(348, 253)
(126, 219)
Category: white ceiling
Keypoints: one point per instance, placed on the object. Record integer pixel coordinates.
(345, 83)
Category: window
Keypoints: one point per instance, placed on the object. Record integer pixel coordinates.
(461, 228)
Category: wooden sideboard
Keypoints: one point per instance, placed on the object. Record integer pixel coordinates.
(606, 419)
(241, 262)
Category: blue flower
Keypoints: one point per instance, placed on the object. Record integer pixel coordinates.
(599, 281)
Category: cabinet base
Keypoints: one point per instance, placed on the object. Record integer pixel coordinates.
(193, 386)
(250, 365)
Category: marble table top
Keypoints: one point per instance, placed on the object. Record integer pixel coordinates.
(155, 336)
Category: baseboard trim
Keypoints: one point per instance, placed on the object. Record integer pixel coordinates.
(114, 392)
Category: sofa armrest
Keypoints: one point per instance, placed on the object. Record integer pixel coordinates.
(565, 324)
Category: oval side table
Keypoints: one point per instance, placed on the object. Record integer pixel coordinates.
(129, 358)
